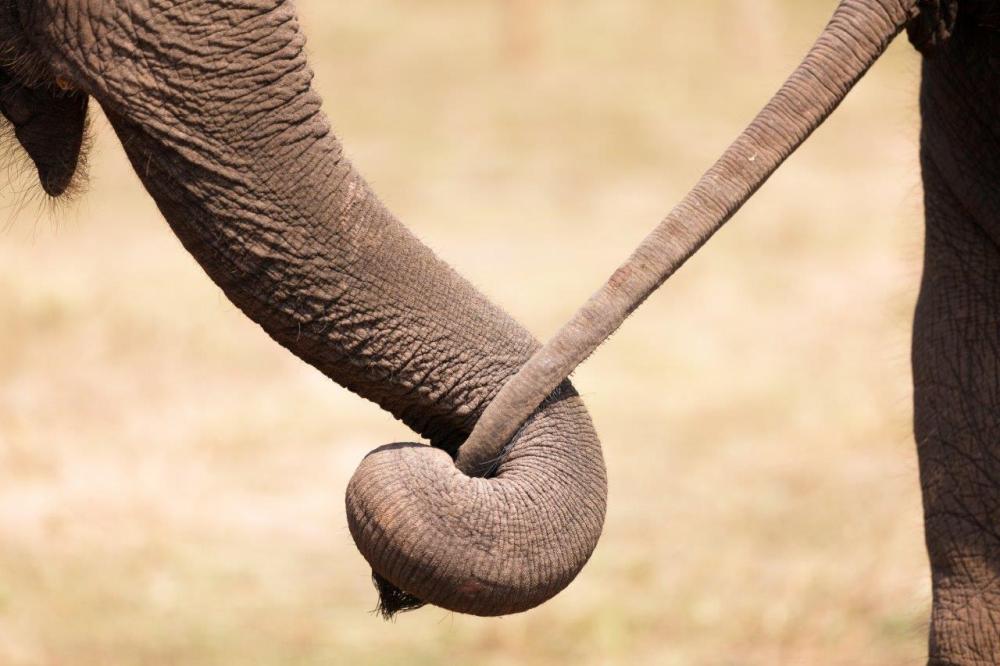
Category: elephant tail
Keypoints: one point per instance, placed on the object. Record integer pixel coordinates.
(857, 35)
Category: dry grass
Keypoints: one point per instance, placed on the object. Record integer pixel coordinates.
(171, 482)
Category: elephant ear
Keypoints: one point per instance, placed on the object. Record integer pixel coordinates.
(49, 123)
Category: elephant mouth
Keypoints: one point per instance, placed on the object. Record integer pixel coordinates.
(50, 124)
(44, 113)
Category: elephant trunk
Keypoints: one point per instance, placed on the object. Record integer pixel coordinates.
(855, 38)
(222, 126)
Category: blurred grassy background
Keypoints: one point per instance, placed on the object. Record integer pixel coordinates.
(171, 481)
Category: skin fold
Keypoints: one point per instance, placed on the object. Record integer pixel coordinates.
(213, 105)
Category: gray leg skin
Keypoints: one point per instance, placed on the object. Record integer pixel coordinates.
(956, 346)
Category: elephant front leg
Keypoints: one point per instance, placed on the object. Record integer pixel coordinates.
(956, 364)
(956, 344)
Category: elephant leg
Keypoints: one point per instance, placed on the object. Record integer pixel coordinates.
(957, 392)
(956, 345)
